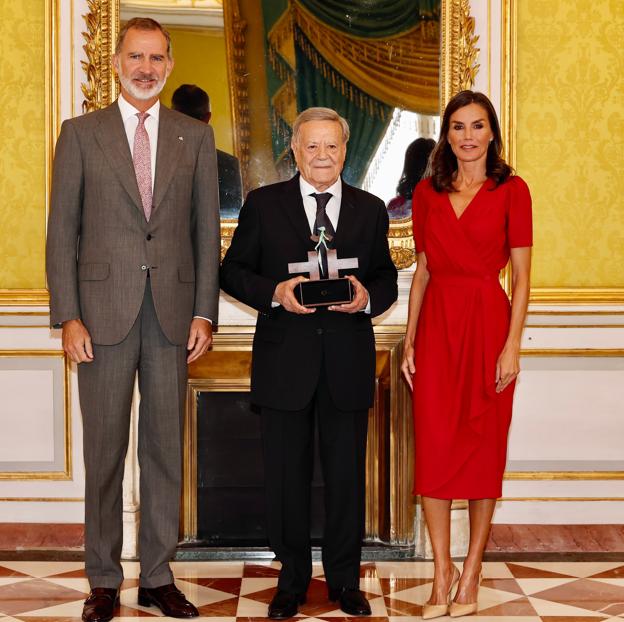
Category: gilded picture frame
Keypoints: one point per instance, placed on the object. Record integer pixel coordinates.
(458, 68)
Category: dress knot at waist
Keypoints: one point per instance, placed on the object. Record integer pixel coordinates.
(464, 279)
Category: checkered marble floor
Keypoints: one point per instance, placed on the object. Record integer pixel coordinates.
(233, 591)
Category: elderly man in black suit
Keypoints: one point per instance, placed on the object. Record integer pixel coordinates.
(313, 363)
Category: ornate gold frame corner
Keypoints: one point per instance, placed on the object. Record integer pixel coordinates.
(458, 69)
(102, 25)
(459, 51)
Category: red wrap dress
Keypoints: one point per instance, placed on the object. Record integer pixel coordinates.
(461, 423)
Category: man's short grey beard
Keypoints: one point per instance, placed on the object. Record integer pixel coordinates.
(140, 93)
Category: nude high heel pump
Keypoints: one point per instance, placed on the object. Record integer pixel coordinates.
(457, 610)
(437, 611)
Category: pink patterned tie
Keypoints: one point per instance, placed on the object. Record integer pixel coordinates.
(143, 164)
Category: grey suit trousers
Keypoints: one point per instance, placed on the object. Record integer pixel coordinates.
(106, 387)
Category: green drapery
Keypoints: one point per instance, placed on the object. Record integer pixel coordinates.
(366, 129)
(372, 18)
(298, 70)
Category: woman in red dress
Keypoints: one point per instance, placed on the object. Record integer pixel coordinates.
(462, 344)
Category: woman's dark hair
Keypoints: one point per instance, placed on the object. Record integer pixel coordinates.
(416, 158)
(443, 162)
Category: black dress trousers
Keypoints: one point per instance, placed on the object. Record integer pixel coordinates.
(288, 445)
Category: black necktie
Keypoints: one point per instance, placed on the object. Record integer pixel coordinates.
(322, 220)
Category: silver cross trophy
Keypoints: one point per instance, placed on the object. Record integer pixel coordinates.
(322, 292)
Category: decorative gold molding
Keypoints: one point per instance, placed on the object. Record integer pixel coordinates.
(235, 27)
(41, 499)
(574, 352)
(401, 242)
(561, 499)
(458, 49)
(27, 313)
(577, 295)
(52, 90)
(566, 312)
(24, 298)
(508, 79)
(102, 22)
(66, 473)
(563, 475)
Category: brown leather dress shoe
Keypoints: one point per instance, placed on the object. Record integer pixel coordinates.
(100, 604)
(169, 600)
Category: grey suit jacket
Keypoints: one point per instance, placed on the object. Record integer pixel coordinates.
(99, 245)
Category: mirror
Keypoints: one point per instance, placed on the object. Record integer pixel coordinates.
(386, 67)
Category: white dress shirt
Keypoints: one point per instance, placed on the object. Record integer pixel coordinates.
(131, 122)
(332, 208)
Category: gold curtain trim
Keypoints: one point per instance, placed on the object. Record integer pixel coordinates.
(284, 102)
(347, 89)
(401, 72)
(281, 40)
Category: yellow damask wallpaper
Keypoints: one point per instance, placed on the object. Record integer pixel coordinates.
(22, 132)
(570, 138)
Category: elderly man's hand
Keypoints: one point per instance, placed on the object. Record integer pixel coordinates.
(359, 302)
(284, 295)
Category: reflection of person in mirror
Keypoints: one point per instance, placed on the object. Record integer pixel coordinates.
(462, 345)
(132, 262)
(415, 164)
(194, 101)
(312, 365)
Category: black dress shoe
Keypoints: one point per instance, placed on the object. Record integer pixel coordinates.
(285, 605)
(352, 601)
(100, 604)
(169, 600)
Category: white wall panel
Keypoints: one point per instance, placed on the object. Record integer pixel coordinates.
(553, 512)
(568, 415)
(27, 415)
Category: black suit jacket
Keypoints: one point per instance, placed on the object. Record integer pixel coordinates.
(291, 350)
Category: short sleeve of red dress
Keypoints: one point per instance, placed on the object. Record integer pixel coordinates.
(519, 217)
(419, 214)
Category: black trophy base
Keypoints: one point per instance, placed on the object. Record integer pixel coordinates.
(324, 292)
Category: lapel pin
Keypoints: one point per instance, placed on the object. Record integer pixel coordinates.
(180, 137)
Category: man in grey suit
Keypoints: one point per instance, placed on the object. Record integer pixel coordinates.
(132, 261)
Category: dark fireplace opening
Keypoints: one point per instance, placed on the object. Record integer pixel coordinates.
(230, 474)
